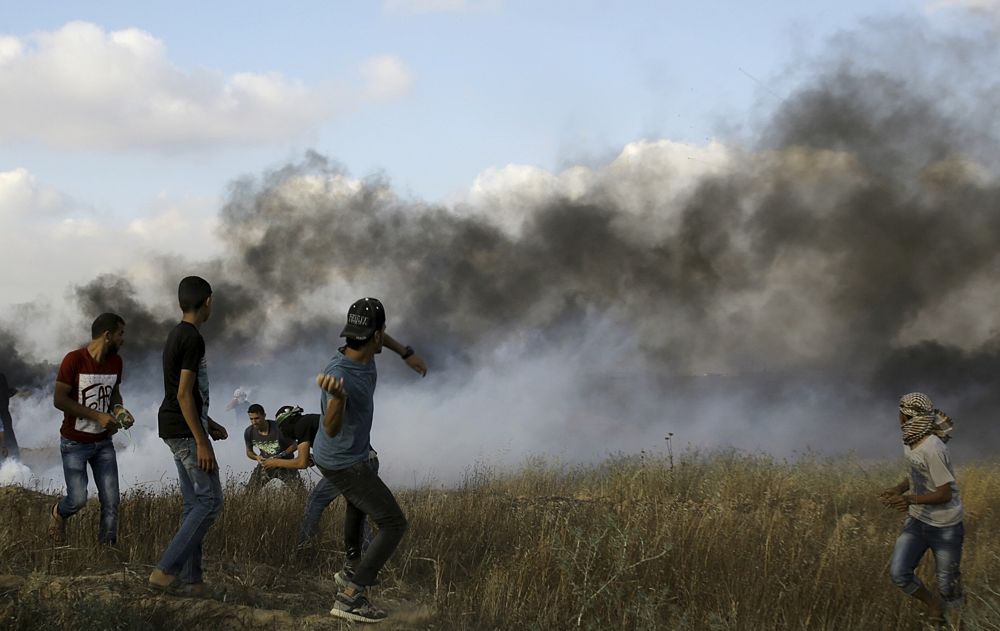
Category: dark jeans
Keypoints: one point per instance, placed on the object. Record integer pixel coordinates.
(104, 462)
(367, 495)
(319, 498)
(946, 545)
(261, 476)
(202, 493)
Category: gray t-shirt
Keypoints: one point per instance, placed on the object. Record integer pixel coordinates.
(353, 443)
(930, 467)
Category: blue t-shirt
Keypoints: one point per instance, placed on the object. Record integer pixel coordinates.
(353, 443)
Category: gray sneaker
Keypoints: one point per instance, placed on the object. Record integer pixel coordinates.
(356, 609)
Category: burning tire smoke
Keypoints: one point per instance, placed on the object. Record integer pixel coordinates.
(847, 253)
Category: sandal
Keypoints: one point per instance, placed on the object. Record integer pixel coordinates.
(57, 526)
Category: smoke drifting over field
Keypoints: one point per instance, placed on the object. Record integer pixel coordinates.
(846, 254)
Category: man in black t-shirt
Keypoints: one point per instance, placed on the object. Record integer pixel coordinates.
(184, 425)
(263, 436)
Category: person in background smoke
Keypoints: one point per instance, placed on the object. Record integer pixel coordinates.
(185, 427)
(935, 519)
(239, 404)
(271, 444)
(344, 456)
(88, 392)
(8, 441)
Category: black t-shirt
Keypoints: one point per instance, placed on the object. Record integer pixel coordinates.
(184, 350)
(271, 445)
(303, 429)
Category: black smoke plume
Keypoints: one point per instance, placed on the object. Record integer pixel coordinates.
(818, 274)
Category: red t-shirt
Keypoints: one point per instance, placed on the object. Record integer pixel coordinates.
(92, 385)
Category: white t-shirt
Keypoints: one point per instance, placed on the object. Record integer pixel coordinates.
(930, 467)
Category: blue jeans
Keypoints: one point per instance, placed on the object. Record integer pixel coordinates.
(319, 498)
(946, 545)
(202, 493)
(104, 462)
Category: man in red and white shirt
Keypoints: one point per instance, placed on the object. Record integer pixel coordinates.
(88, 392)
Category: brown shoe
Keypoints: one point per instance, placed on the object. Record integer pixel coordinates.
(57, 526)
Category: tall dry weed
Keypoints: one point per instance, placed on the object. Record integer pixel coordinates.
(722, 540)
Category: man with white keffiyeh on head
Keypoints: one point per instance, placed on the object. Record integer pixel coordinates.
(933, 505)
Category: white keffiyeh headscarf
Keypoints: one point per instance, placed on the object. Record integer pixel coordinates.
(924, 418)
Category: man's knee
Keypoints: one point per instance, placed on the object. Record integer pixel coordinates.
(396, 522)
(903, 578)
(75, 502)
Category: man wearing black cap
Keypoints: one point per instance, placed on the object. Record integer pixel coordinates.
(343, 454)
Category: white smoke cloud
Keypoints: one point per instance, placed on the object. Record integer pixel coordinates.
(15, 473)
(83, 86)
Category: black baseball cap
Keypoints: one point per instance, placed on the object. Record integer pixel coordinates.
(364, 318)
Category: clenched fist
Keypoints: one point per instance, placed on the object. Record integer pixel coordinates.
(334, 386)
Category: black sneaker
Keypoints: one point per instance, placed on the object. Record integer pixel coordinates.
(357, 609)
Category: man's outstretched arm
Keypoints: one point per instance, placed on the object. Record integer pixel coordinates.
(300, 461)
(414, 361)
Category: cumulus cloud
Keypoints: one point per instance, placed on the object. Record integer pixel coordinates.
(385, 77)
(648, 177)
(60, 239)
(83, 86)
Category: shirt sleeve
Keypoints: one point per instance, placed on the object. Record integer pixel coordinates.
(192, 350)
(69, 370)
(937, 468)
(247, 439)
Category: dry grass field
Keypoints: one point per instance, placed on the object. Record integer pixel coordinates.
(721, 541)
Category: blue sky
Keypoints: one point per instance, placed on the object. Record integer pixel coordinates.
(540, 83)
